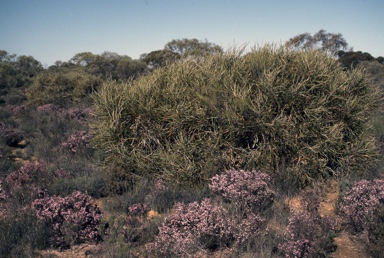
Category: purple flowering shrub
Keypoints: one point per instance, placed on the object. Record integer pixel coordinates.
(74, 219)
(27, 183)
(308, 234)
(16, 109)
(247, 189)
(77, 141)
(49, 108)
(61, 173)
(361, 202)
(210, 225)
(79, 114)
(299, 236)
(138, 209)
(159, 186)
(193, 227)
(3, 195)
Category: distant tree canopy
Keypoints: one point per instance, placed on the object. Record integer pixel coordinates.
(109, 65)
(83, 58)
(185, 47)
(321, 40)
(351, 59)
(178, 48)
(16, 72)
(160, 58)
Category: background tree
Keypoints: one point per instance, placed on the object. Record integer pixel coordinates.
(28, 66)
(5, 57)
(352, 59)
(128, 68)
(7, 77)
(321, 40)
(108, 65)
(185, 47)
(178, 48)
(105, 65)
(160, 58)
(16, 73)
(83, 58)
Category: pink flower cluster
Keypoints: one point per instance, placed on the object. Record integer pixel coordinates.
(307, 231)
(79, 113)
(61, 173)
(72, 113)
(76, 141)
(297, 249)
(202, 226)
(16, 110)
(26, 179)
(301, 228)
(245, 188)
(49, 108)
(209, 225)
(74, 219)
(159, 186)
(3, 195)
(138, 209)
(361, 202)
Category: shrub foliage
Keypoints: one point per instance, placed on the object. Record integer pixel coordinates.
(246, 189)
(205, 226)
(362, 202)
(74, 219)
(308, 234)
(296, 114)
(61, 87)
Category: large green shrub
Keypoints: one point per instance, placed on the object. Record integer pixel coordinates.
(298, 115)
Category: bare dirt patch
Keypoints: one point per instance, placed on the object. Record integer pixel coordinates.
(348, 247)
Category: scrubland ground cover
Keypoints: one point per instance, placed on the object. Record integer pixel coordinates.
(195, 159)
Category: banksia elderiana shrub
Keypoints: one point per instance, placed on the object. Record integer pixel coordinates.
(298, 115)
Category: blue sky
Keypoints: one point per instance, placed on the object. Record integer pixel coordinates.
(51, 30)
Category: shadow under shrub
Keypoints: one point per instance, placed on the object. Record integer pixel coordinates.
(375, 227)
(298, 115)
